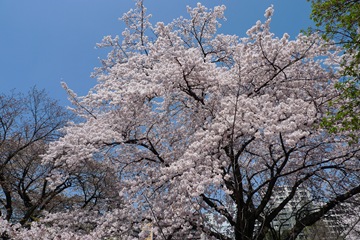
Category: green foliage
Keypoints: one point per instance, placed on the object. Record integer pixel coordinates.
(346, 118)
(339, 20)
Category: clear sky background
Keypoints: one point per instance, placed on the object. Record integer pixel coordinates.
(44, 42)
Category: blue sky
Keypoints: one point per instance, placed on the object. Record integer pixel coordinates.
(44, 42)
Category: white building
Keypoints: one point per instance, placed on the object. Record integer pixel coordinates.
(340, 223)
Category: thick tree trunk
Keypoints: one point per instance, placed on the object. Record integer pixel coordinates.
(244, 227)
(8, 198)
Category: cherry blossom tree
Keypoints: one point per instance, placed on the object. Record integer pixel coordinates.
(28, 123)
(203, 130)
